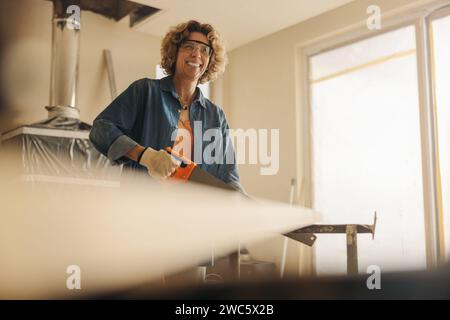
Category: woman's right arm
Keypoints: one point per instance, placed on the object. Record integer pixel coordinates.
(134, 153)
(111, 130)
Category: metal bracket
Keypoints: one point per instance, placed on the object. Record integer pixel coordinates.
(305, 238)
(306, 235)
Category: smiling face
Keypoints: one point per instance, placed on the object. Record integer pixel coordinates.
(191, 64)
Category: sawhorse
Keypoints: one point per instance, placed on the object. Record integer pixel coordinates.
(307, 235)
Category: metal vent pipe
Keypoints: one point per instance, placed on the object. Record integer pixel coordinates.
(64, 64)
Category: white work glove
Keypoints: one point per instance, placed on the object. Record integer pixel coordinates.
(160, 164)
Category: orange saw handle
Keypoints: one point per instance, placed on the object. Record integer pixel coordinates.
(184, 171)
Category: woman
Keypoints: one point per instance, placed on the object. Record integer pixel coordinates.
(152, 114)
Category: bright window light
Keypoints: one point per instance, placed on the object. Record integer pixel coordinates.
(367, 151)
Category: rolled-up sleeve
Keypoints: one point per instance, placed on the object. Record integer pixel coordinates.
(112, 129)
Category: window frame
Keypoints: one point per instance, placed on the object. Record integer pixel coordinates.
(421, 18)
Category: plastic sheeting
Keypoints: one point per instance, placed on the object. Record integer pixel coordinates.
(55, 152)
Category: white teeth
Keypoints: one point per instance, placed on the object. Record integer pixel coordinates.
(193, 64)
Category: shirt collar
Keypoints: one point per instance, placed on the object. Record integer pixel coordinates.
(167, 85)
(201, 99)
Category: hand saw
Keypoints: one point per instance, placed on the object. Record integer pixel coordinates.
(189, 171)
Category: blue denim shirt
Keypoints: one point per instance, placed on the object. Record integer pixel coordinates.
(147, 113)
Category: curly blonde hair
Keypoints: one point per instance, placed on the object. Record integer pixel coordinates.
(177, 34)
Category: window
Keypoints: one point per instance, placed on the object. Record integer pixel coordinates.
(367, 151)
(160, 73)
(441, 55)
(380, 144)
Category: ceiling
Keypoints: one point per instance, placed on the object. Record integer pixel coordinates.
(238, 21)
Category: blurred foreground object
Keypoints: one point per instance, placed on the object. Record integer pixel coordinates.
(122, 237)
(400, 285)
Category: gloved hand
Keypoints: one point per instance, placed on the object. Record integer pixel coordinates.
(159, 164)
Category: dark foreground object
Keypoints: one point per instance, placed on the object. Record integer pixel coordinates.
(405, 285)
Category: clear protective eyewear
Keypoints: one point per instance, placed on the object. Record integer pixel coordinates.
(191, 45)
